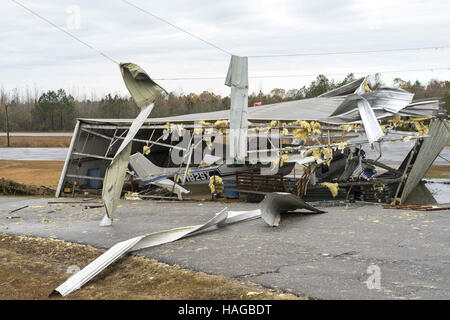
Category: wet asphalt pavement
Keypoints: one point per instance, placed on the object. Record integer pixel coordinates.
(40, 154)
(324, 256)
(37, 134)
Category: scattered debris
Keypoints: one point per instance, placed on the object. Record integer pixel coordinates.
(94, 206)
(44, 264)
(417, 207)
(220, 220)
(271, 208)
(9, 187)
(74, 202)
(17, 209)
(276, 203)
(326, 141)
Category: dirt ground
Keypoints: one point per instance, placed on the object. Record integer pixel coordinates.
(32, 172)
(31, 268)
(36, 142)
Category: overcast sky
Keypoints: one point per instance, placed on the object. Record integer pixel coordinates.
(33, 53)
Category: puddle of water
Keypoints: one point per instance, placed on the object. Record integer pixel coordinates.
(440, 189)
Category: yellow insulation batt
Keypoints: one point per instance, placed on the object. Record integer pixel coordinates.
(333, 187)
(301, 134)
(421, 127)
(215, 181)
(349, 127)
(284, 158)
(315, 127)
(132, 196)
(221, 123)
(198, 131)
(327, 154)
(315, 152)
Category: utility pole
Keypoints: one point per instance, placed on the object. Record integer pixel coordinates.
(7, 124)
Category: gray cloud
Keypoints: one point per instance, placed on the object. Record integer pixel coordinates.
(33, 52)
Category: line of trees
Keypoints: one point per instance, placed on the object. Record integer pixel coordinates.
(57, 110)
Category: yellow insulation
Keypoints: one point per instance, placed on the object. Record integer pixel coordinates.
(198, 131)
(301, 134)
(333, 187)
(366, 86)
(213, 181)
(325, 154)
(284, 158)
(315, 127)
(221, 123)
(315, 152)
(421, 127)
(349, 127)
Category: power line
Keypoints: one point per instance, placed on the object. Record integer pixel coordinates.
(176, 27)
(346, 52)
(284, 54)
(227, 52)
(300, 75)
(66, 32)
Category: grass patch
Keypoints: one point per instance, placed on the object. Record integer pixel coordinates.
(37, 173)
(438, 171)
(36, 142)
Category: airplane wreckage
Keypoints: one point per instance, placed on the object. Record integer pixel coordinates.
(260, 149)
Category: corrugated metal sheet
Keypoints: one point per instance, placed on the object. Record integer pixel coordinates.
(113, 181)
(279, 202)
(272, 205)
(439, 135)
(306, 109)
(154, 239)
(69, 154)
(115, 173)
(345, 89)
(371, 126)
(237, 79)
(141, 87)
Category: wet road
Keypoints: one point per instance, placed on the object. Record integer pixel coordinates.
(324, 256)
(43, 154)
(394, 153)
(37, 134)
